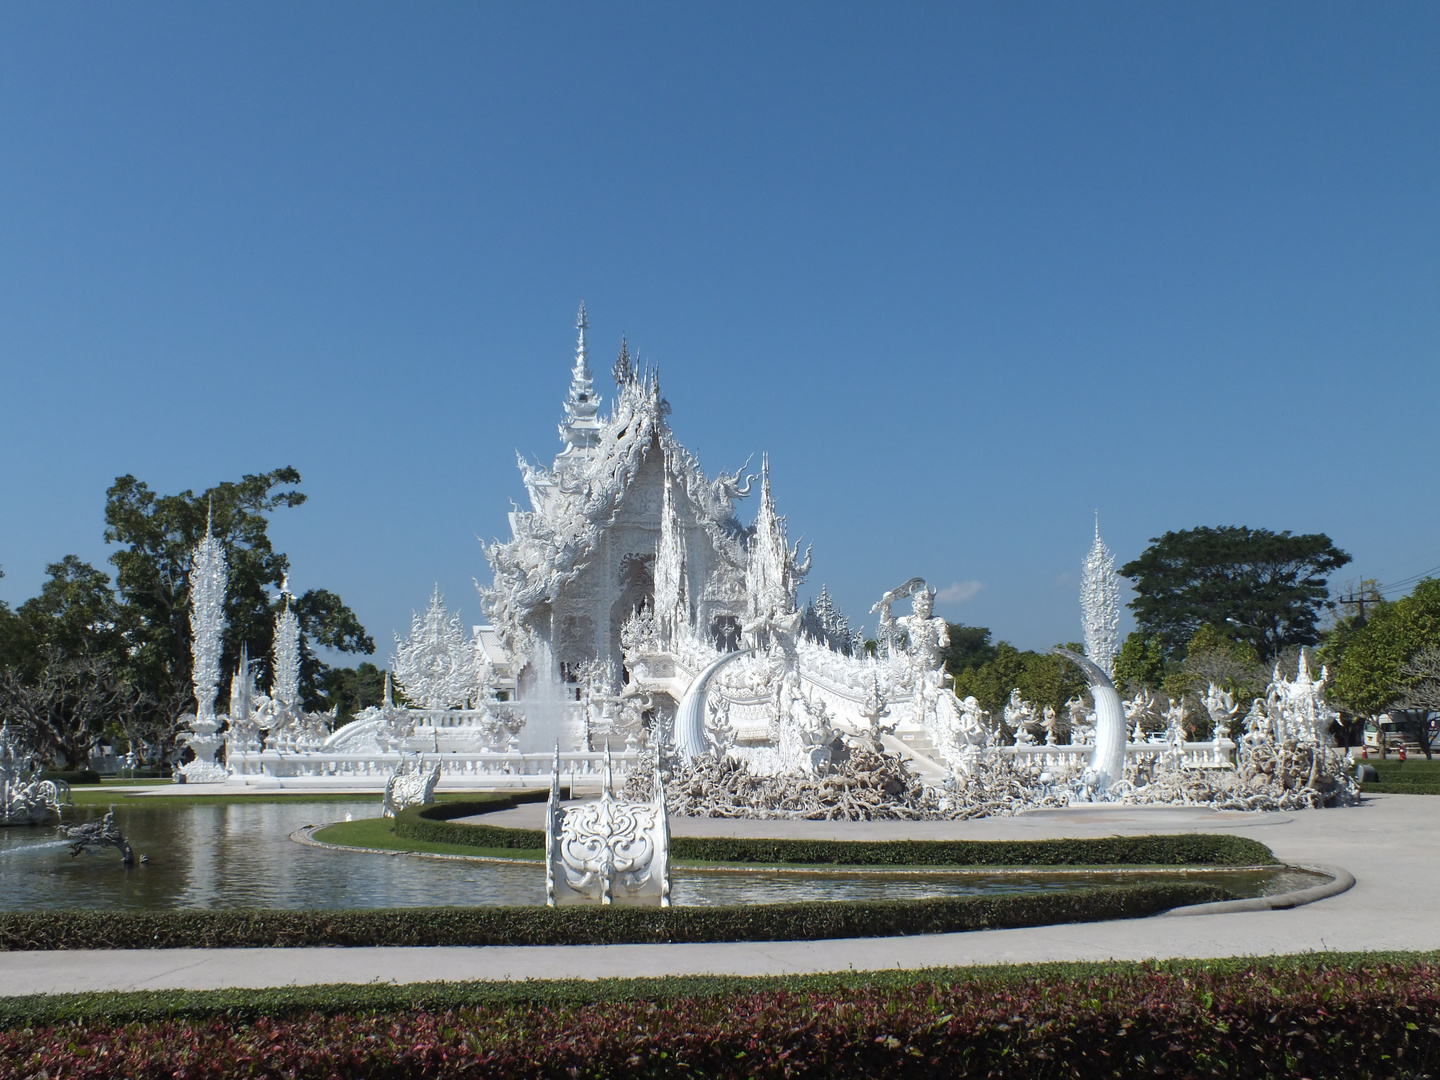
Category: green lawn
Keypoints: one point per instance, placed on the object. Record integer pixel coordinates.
(90, 795)
(379, 832)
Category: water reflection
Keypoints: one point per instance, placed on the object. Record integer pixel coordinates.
(240, 855)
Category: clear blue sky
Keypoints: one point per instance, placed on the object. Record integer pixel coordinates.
(967, 272)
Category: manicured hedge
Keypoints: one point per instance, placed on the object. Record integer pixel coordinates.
(1248, 1019)
(222, 928)
(72, 776)
(436, 824)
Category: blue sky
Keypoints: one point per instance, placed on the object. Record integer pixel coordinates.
(967, 272)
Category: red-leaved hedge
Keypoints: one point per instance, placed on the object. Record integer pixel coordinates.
(1254, 1020)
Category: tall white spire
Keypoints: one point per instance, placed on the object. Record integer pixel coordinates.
(672, 589)
(208, 578)
(581, 427)
(1100, 604)
(775, 570)
(285, 664)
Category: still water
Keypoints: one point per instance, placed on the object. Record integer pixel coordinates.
(241, 856)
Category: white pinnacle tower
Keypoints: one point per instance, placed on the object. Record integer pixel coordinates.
(285, 678)
(1100, 604)
(581, 427)
(208, 577)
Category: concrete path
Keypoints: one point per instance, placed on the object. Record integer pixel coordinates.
(1391, 843)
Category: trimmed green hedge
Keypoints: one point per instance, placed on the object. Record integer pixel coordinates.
(436, 825)
(21, 931)
(243, 1005)
(71, 776)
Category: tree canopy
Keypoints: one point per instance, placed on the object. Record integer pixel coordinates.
(159, 534)
(989, 672)
(85, 659)
(1372, 662)
(1271, 587)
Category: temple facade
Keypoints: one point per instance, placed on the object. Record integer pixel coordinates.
(626, 528)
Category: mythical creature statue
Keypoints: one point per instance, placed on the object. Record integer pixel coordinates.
(1019, 715)
(410, 785)
(98, 834)
(27, 802)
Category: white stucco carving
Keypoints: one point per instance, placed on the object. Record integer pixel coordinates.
(411, 784)
(607, 851)
(435, 666)
(26, 802)
(208, 578)
(1100, 604)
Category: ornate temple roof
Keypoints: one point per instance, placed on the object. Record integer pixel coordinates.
(580, 495)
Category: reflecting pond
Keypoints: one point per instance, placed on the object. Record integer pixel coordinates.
(241, 855)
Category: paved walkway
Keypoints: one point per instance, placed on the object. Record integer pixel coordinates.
(1391, 843)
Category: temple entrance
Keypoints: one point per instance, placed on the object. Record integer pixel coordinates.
(725, 633)
(636, 588)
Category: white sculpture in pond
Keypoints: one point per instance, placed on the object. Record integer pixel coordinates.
(208, 577)
(26, 802)
(608, 851)
(410, 785)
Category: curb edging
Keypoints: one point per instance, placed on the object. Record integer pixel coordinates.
(1341, 880)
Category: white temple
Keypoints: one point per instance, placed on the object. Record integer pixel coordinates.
(632, 612)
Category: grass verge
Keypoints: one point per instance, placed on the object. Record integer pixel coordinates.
(436, 824)
(378, 833)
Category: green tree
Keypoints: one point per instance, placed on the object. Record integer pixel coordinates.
(1272, 585)
(1371, 663)
(1042, 678)
(969, 647)
(76, 612)
(1141, 662)
(158, 534)
(1214, 656)
(14, 644)
(349, 690)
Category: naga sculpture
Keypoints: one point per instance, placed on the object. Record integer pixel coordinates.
(98, 834)
(690, 717)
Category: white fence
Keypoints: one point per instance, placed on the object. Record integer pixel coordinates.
(1064, 760)
(486, 769)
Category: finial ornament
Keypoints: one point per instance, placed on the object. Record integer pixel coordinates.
(623, 369)
(581, 427)
(1100, 604)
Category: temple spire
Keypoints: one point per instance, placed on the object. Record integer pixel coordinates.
(623, 368)
(581, 427)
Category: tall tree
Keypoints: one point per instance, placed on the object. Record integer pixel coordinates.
(1376, 664)
(1270, 586)
(158, 534)
(76, 612)
(969, 647)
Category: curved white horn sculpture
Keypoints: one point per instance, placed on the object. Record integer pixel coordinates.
(1107, 762)
(690, 717)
